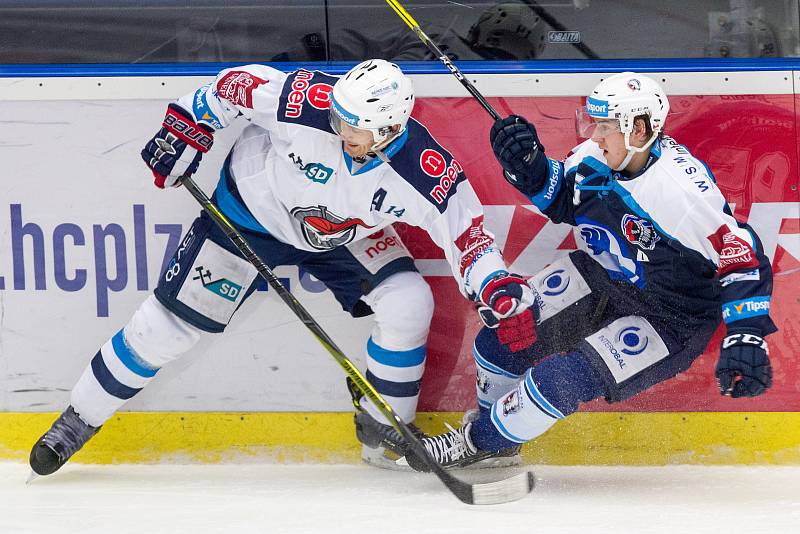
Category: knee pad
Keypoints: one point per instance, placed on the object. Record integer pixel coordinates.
(403, 306)
(157, 336)
(566, 380)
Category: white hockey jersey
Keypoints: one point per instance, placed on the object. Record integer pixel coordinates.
(289, 176)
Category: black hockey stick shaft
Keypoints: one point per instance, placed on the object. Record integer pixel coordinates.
(468, 493)
(409, 20)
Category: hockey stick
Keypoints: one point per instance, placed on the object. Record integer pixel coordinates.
(409, 20)
(505, 490)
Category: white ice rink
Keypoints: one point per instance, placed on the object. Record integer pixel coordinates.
(350, 499)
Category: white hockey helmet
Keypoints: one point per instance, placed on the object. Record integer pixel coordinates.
(374, 95)
(624, 97)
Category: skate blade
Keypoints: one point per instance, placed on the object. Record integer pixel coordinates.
(488, 463)
(496, 462)
(379, 458)
(33, 476)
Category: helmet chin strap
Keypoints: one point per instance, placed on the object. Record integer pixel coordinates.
(632, 150)
(378, 147)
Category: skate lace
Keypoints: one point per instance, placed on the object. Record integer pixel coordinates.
(448, 447)
(68, 434)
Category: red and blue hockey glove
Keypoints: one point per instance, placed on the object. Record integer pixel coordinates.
(743, 369)
(506, 305)
(175, 151)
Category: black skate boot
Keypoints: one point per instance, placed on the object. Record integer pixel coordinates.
(382, 444)
(455, 449)
(67, 435)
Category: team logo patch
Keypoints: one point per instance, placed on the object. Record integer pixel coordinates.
(380, 242)
(221, 287)
(237, 87)
(482, 381)
(555, 283)
(511, 403)
(432, 163)
(446, 181)
(316, 172)
(734, 252)
(632, 341)
(324, 230)
(473, 242)
(628, 346)
(319, 95)
(640, 232)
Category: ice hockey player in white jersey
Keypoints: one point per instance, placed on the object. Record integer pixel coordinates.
(661, 263)
(316, 179)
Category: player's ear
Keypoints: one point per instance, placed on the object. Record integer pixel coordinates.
(640, 129)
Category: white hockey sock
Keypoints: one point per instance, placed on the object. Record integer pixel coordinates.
(492, 381)
(129, 361)
(403, 307)
(115, 374)
(397, 376)
(524, 413)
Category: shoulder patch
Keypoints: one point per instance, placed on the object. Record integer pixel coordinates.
(305, 99)
(428, 167)
(237, 87)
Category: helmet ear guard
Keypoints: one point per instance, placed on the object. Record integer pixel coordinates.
(374, 95)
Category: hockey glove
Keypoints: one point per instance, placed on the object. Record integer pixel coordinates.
(506, 305)
(175, 151)
(743, 369)
(518, 150)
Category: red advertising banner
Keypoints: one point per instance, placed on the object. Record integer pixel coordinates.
(750, 142)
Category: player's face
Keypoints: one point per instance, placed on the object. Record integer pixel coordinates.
(356, 142)
(611, 140)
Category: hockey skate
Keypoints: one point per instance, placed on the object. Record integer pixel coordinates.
(454, 449)
(66, 437)
(509, 457)
(381, 445)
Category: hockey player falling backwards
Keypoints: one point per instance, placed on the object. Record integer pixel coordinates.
(661, 256)
(316, 179)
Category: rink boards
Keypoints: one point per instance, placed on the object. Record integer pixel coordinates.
(83, 238)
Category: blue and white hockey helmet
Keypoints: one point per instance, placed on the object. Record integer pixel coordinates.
(374, 95)
(623, 97)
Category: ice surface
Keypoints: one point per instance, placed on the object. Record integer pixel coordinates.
(353, 499)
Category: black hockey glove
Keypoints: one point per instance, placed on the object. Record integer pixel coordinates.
(518, 150)
(743, 369)
(177, 148)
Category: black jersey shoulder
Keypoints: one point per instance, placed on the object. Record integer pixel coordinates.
(305, 99)
(427, 166)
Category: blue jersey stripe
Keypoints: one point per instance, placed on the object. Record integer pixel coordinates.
(492, 368)
(233, 209)
(129, 358)
(396, 358)
(542, 403)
